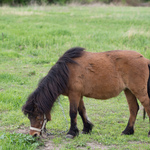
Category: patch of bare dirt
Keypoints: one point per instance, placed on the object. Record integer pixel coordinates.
(95, 146)
(22, 129)
(49, 145)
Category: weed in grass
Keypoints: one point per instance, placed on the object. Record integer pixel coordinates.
(31, 73)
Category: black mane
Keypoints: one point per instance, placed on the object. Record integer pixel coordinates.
(52, 85)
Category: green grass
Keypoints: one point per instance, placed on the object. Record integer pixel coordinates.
(31, 41)
(19, 141)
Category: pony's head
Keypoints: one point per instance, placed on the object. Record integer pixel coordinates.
(38, 118)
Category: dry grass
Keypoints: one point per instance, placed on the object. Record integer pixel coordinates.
(133, 32)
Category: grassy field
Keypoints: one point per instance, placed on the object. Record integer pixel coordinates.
(31, 41)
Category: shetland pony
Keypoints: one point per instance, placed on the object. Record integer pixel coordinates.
(101, 75)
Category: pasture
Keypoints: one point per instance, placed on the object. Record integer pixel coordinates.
(31, 41)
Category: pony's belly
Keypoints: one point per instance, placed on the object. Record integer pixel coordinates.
(104, 93)
(103, 96)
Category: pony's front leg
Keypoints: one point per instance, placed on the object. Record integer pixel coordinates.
(87, 128)
(74, 99)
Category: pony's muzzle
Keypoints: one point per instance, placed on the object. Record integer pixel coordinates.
(34, 133)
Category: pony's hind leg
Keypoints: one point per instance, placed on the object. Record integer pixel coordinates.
(145, 101)
(87, 125)
(133, 108)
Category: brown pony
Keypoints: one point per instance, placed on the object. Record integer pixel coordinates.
(97, 75)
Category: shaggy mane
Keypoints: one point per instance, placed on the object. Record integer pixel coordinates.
(52, 85)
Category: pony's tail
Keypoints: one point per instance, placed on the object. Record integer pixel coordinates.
(148, 91)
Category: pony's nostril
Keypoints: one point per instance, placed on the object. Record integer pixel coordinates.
(35, 135)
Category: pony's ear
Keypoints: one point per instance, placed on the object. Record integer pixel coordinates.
(48, 116)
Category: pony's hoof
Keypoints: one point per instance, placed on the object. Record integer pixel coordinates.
(86, 132)
(128, 131)
(69, 136)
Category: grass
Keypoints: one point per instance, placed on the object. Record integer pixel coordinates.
(13, 140)
(31, 41)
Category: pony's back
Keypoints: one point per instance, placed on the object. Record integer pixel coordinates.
(104, 75)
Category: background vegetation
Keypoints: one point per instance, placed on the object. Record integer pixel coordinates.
(31, 41)
(26, 2)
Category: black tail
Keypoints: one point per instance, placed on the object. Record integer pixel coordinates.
(148, 83)
(148, 90)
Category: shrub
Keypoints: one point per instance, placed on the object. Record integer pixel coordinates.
(40, 2)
